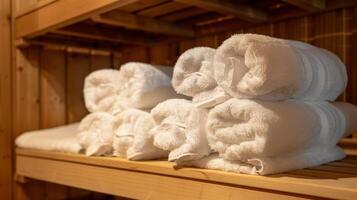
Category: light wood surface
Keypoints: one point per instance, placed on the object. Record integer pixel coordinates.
(25, 6)
(47, 18)
(299, 183)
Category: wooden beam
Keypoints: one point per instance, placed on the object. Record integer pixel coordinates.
(127, 20)
(62, 13)
(241, 11)
(310, 5)
(58, 42)
(103, 34)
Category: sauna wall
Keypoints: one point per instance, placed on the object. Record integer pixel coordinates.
(48, 82)
(5, 100)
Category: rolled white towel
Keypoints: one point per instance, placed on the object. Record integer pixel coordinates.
(96, 133)
(101, 89)
(131, 136)
(272, 165)
(245, 129)
(194, 76)
(144, 85)
(180, 129)
(61, 139)
(258, 66)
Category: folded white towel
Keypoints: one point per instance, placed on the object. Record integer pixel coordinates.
(144, 85)
(257, 66)
(272, 165)
(62, 139)
(96, 133)
(245, 129)
(101, 91)
(131, 136)
(194, 76)
(180, 129)
(258, 137)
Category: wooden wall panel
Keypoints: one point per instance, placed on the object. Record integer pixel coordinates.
(78, 66)
(5, 101)
(48, 87)
(53, 109)
(27, 109)
(293, 29)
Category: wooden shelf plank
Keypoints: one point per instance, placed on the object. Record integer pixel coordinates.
(102, 34)
(54, 167)
(310, 5)
(244, 12)
(131, 21)
(48, 18)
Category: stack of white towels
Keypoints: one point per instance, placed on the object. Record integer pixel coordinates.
(260, 105)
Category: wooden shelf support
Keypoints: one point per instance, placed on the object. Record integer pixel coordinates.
(131, 21)
(309, 5)
(241, 11)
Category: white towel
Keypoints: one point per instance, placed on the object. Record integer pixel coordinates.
(194, 76)
(257, 66)
(180, 129)
(101, 89)
(131, 136)
(61, 139)
(96, 133)
(271, 165)
(253, 136)
(244, 129)
(144, 85)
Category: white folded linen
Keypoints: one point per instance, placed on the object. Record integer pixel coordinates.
(194, 76)
(272, 165)
(101, 89)
(61, 139)
(246, 129)
(257, 66)
(145, 85)
(96, 133)
(179, 128)
(131, 136)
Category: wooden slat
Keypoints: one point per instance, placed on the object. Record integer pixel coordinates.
(25, 6)
(244, 12)
(131, 21)
(78, 67)
(65, 43)
(26, 109)
(140, 5)
(5, 101)
(341, 188)
(163, 9)
(134, 54)
(310, 5)
(90, 32)
(184, 14)
(47, 18)
(138, 185)
(53, 93)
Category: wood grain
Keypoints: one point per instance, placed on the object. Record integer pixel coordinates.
(5, 101)
(78, 66)
(310, 182)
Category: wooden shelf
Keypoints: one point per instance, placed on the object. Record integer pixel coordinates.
(143, 22)
(159, 179)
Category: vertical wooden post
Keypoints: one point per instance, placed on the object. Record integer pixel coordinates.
(5, 101)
